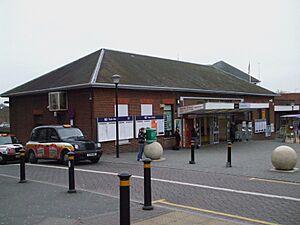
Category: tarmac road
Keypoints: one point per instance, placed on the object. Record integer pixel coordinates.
(177, 186)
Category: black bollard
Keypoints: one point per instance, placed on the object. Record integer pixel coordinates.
(22, 166)
(124, 198)
(71, 163)
(229, 145)
(192, 152)
(147, 185)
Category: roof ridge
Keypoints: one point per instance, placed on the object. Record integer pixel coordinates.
(215, 65)
(157, 57)
(94, 75)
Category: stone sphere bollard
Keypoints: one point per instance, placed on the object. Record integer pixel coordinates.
(284, 158)
(153, 151)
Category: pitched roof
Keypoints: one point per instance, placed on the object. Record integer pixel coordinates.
(138, 72)
(234, 71)
(74, 74)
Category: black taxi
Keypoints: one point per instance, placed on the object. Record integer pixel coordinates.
(55, 141)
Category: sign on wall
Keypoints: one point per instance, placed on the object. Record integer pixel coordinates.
(260, 126)
(106, 128)
(156, 122)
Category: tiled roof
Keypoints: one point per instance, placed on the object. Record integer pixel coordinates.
(234, 71)
(138, 72)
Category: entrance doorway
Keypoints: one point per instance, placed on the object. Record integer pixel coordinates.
(214, 130)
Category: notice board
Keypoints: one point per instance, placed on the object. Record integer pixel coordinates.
(156, 122)
(106, 128)
(260, 126)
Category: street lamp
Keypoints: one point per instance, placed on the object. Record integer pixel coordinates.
(116, 80)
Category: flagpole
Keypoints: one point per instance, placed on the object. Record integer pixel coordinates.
(249, 72)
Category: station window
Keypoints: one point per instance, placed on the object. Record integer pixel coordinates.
(168, 114)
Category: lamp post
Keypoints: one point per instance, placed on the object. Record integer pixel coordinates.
(116, 80)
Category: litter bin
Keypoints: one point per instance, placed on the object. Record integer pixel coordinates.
(150, 135)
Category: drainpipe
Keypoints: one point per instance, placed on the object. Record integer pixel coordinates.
(91, 100)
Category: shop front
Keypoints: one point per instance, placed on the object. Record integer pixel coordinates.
(212, 122)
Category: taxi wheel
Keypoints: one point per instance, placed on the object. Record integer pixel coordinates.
(32, 158)
(95, 160)
(2, 160)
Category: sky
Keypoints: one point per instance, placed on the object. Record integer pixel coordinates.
(37, 36)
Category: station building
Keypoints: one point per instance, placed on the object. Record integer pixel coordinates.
(160, 93)
(287, 117)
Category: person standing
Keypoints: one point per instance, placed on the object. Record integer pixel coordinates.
(141, 140)
(232, 133)
(178, 139)
(195, 136)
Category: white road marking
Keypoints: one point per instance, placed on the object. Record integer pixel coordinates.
(274, 181)
(179, 183)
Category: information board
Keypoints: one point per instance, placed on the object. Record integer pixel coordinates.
(156, 122)
(260, 126)
(106, 128)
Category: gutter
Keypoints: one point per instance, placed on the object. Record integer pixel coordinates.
(135, 87)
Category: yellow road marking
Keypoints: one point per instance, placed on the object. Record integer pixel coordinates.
(158, 201)
(163, 201)
(274, 181)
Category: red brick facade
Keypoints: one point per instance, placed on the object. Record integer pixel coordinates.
(85, 105)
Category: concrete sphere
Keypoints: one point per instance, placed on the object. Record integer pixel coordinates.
(284, 158)
(153, 150)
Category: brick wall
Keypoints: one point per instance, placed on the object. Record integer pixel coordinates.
(85, 105)
(287, 99)
(104, 101)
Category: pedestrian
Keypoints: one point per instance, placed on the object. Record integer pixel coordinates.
(232, 133)
(141, 140)
(195, 136)
(178, 139)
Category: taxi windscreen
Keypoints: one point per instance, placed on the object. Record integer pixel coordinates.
(8, 140)
(70, 133)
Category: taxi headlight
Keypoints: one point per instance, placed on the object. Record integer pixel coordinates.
(76, 147)
(98, 145)
(5, 151)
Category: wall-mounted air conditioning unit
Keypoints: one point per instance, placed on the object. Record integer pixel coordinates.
(57, 101)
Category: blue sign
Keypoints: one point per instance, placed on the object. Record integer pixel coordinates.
(158, 117)
(113, 119)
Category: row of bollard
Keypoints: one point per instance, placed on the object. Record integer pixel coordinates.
(124, 181)
(124, 185)
(229, 146)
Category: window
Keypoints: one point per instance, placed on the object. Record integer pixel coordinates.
(123, 110)
(146, 110)
(39, 135)
(57, 101)
(168, 114)
(52, 135)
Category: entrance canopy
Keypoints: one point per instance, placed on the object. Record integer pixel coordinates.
(220, 107)
(291, 116)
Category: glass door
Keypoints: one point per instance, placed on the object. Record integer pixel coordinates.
(214, 130)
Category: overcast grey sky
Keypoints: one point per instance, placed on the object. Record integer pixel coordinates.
(39, 36)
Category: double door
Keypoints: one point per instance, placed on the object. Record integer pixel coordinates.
(214, 132)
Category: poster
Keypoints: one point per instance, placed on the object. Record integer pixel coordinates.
(156, 122)
(106, 128)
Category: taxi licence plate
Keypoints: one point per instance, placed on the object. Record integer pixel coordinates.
(91, 154)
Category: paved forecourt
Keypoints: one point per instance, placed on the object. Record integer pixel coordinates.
(251, 159)
(44, 203)
(183, 193)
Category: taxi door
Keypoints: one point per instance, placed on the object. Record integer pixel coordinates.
(41, 149)
(52, 148)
